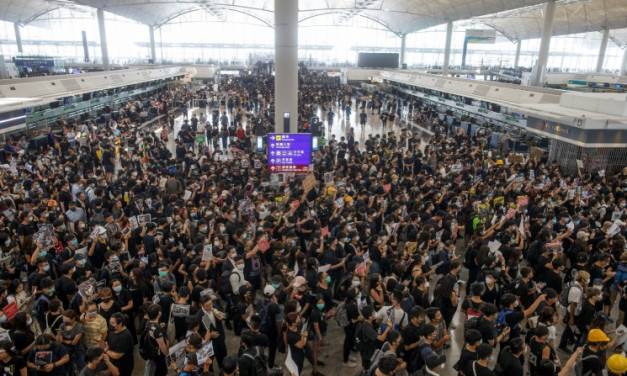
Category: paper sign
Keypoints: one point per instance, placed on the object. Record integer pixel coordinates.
(324, 268)
(263, 245)
(324, 231)
(494, 245)
(340, 202)
(579, 164)
(10, 310)
(205, 353)
(187, 195)
(180, 310)
(602, 173)
(133, 222)
(207, 252)
(328, 178)
(309, 183)
(176, 354)
(143, 219)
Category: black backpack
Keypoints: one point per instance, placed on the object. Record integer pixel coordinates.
(148, 346)
(259, 361)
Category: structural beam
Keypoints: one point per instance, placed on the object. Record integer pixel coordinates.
(103, 38)
(286, 65)
(545, 43)
(602, 49)
(401, 62)
(447, 47)
(153, 49)
(18, 37)
(85, 47)
(517, 57)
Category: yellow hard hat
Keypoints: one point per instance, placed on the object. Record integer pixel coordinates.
(499, 162)
(597, 335)
(617, 364)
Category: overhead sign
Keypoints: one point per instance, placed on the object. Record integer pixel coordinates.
(482, 36)
(289, 152)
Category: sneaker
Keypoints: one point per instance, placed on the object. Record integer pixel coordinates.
(352, 358)
(350, 364)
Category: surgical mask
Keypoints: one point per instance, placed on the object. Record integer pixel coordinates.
(50, 291)
(74, 243)
(320, 306)
(275, 285)
(47, 268)
(117, 289)
(356, 283)
(7, 242)
(3, 318)
(43, 253)
(328, 279)
(163, 273)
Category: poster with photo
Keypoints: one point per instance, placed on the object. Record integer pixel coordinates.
(180, 310)
(176, 354)
(205, 353)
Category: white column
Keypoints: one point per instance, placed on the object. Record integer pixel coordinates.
(602, 49)
(517, 58)
(623, 66)
(402, 56)
(153, 49)
(286, 63)
(18, 37)
(545, 43)
(103, 38)
(447, 47)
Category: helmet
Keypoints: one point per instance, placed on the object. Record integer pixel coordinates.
(617, 364)
(597, 335)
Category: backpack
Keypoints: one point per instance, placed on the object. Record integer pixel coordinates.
(259, 361)
(49, 326)
(565, 292)
(148, 346)
(341, 315)
(262, 311)
(472, 323)
(579, 365)
(500, 320)
(225, 282)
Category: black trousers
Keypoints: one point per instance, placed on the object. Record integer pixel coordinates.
(349, 340)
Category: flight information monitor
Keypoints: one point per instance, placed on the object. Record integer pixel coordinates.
(289, 152)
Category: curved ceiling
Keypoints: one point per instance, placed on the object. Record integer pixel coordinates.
(399, 16)
(571, 17)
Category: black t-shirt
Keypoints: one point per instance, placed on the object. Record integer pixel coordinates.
(510, 364)
(592, 364)
(487, 329)
(368, 342)
(13, 366)
(298, 355)
(21, 339)
(465, 358)
(317, 317)
(586, 315)
(476, 369)
(122, 342)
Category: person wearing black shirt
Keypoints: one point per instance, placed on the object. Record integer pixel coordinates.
(445, 295)
(593, 356)
(479, 367)
(296, 341)
(47, 357)
(369, 339)
(588, 311)
(469, 351)
(157, 366)
(349, 331)
(551, 276)
(511, 316)
(11, 364)
(98, 363)
(511, 358)
(412, 336)
(65, 286)
(120, 345)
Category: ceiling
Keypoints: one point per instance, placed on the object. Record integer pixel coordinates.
(571, 17)
(399, 16)
(516, 19)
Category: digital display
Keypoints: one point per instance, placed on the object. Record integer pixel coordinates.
(377, 60)
(289, 152)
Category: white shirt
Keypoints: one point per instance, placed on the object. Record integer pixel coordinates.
(397, 315)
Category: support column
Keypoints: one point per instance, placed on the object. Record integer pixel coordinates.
(401, 61)
(517, 58)
(18, 37)
(103, 38)
(153, 49)
(545, 43)
(623, 66)
(286, 64)
(85, 47)
(602, 49)
(447, 47)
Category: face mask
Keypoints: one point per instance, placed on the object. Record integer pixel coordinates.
(81, 262)
(74, 243)
(163, 273)
(144, 260)
(50, 291)
(203, 229)
(29, 321)
(7, 242)
(43, 253)
(328, 279)
(356, 283)
(117, 289)
(275, 285)
(320, 306)
(3, 318)
(47, 268)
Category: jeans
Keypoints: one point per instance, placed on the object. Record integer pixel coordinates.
(349, 340)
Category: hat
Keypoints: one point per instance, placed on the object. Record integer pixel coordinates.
(499, 162)
(348, 199)
(597, 335)
(617, 363)
(299, 282)
(268, 290)
(52, 203)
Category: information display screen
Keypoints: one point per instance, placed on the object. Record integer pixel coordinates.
(289, 152)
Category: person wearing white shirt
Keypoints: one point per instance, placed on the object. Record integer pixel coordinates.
(237, 276)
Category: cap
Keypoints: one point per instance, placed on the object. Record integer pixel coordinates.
(617, 364)
(268, 290)
(499, 162)
(597, 335)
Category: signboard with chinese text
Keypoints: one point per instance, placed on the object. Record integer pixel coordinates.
(289, 152)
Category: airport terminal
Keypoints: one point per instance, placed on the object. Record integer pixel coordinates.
(313, 187)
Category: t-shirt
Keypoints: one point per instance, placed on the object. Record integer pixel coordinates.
(585, 317)
(575, 295)
(53, 354)
(487, 330)
(298, 355)
(12, 367)
(510, 364)
(465, 358)
(122, 342)
(476, 369)
(592, 366)
(101, 370)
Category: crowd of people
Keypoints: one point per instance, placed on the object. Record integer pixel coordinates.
(113, 241)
